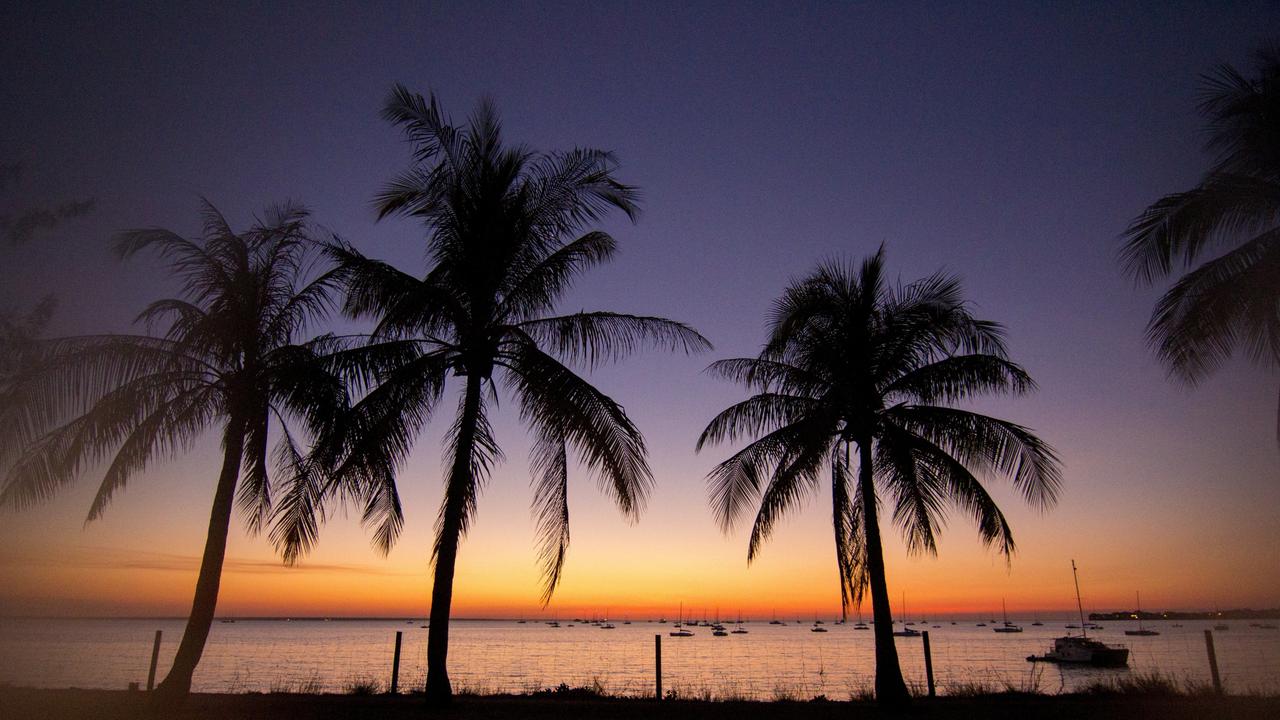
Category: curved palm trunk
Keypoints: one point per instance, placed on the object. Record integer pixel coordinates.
(439, 691)
(890, 688)
(177, 683)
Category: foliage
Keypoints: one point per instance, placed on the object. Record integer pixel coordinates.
(851, 360)
(507, 235)
(1225, 304)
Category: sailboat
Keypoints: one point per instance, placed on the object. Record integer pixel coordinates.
(680, 631)
(906, 631)
(860, 625)
(738, 629)
(1137, 599)
(1007, 627)
(775, 620)
(1080, 649)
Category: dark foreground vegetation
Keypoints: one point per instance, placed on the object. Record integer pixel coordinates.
(122, 705)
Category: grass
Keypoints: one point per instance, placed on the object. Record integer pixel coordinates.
(1153, 683)
(1140, 700)
(362, 686)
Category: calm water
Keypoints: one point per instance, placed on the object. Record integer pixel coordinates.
(503, 656)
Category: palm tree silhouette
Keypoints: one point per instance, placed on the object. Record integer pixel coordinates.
(1229, 302)
(229, 358)
(853, 362)
(503, 228)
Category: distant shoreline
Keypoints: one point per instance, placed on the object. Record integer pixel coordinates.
(1052, 616)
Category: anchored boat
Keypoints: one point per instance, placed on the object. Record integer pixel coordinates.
(1007, 627)
(1081, 649)
(1141, 631)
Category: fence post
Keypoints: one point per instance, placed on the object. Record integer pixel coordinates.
(395, 666)
(155, 657)
(928, 664)
(657, 666)
(1213, 662)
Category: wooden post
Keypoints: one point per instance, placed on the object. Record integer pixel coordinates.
(657, 666)
(395, 666)
(928, 664)
(155, 658)
(1213, 662)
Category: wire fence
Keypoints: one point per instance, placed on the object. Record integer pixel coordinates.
(764, 663)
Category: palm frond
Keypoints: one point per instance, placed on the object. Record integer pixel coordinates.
(595, 337)
(795, 477)
(550, 466)
(552, 397)
(989, 445)
(959, 377)
(1224, 304)
(1178, 228)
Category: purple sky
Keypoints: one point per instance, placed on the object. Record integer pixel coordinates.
(1009, 143)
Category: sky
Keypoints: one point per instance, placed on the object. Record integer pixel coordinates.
(1009, 144)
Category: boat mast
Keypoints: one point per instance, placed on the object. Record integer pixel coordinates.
(1084, 631)
(1137, 600)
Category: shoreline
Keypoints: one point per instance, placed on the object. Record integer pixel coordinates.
(74, 704)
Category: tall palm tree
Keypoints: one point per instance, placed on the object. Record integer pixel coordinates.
(1229, 302)
(852, 362)
(229, 358)
(505, 237)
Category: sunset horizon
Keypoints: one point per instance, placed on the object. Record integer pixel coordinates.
(845, 317)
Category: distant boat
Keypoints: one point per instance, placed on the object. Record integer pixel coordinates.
(680, 631)
(1080, 649)
(775, 620)
(1140, 631)
(1007, 627)
(738, 629)
(906, 631)
(817, 628)
(980, 625)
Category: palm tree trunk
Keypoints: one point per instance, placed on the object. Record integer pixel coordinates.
(177, 683)
(439, 691)
(890, 688)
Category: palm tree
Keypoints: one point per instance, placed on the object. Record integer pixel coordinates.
(1227, 303)
(229, 358)
(505, 236)
(853, 362)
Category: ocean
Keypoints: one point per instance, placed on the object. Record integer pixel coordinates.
(492, 656)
